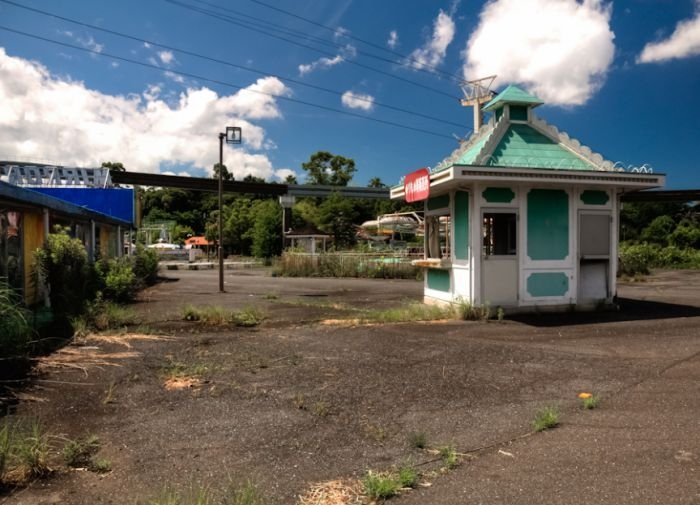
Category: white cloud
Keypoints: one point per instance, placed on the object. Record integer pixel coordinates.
(433, 51)
(559, 49)
(87, 42)
(52, 118)
(174, 77)
(349, 51)
(340, 32)
(166, 57)
(393, 40)
(357, 101)
(683, 42)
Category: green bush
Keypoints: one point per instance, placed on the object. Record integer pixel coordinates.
(659, 230)
(15, 329)
(636, 259)
(145, 265)
(639, 258)
(120, 281)
(62, 264)
(686, 235)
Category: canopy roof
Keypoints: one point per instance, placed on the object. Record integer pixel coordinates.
(515, 137)
(512, 94)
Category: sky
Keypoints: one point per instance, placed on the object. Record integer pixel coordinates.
(152, 83)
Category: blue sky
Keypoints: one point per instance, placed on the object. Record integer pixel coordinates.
(622, 77)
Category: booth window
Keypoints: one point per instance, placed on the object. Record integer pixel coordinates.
(437, 232)
(500, 234)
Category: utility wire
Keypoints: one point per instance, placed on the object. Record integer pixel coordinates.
(228, 19)
(223, 83)
(223, 62)
(405, 61)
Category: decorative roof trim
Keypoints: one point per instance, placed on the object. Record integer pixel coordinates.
(582, 151)
(490, 145)
(476, 137)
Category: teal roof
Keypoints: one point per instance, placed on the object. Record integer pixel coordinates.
(469, 156)
(512, 94)
(523, 146)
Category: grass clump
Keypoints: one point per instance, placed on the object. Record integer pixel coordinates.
(216, 315)
(102, 315)
(101, 466)
(466, 311)
(24, 452)
(409, 312)
(418, 440)
(321, 409)
(590, 402)
(180, 370)
(247, 494)
(15, 329)
(380, 486)
(407, 476)
(79, 453)
(448, 453)
(247, 317)
(546, 418)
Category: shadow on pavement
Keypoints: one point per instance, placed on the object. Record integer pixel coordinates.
(629, 310)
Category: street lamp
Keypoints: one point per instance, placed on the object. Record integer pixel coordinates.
(233, 135)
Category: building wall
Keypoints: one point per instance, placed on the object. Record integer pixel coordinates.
(548, 268)
(33, 239)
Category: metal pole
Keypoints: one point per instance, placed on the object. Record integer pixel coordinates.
(221, 212)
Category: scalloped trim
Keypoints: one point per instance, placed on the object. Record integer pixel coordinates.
(573, 145)
(486, 129)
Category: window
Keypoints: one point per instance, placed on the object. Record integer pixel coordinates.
(11, 247)
(499, 232)
(437, 233)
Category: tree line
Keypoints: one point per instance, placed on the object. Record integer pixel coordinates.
(252, 224)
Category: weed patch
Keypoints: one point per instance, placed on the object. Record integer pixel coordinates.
(24, 452)
(407, 476)
(321, 409)
(79, 453)
(215, 315)
(589, 401)
(380, 486)
(449, 457)
(546, 418)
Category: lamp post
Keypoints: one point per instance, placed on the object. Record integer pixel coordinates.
(233, 135)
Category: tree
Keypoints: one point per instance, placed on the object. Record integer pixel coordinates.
(226, 175)
(329, 169)
(337, 216)
(114, 165)
(291, 179)
(253, 178)
(238, 221)
(635, 216)
(686, 235)
(267, 230)
(659, 230)
(376, 182)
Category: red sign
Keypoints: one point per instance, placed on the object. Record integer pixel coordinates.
(416, 185)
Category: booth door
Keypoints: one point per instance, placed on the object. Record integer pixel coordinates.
(499, 257)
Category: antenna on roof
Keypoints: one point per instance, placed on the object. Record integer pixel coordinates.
(476, 93)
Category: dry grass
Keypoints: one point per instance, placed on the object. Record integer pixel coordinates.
(333, 492)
